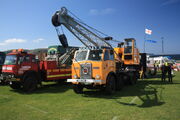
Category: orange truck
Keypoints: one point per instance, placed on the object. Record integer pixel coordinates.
(98, 64)
(100, 68)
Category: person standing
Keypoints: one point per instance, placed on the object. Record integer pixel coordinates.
(163, 77)
(170, 72)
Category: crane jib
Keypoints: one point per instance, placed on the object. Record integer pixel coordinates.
(86, 34)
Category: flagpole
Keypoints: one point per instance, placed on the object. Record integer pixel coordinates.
(144, 42)
(162, 38)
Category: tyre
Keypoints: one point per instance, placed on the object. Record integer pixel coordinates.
(110, 85)
(29, 83)
(119, 82)
(78, 89)
(15, 85)
(126, 79)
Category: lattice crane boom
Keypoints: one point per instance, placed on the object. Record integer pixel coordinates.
(79, 29)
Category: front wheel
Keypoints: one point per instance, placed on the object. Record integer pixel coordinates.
(110, 85)
(78, 89)
(29, 84)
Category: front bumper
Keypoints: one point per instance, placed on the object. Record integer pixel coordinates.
(8, 78)
(85, 81)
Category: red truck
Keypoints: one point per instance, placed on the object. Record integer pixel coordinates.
(23, 70)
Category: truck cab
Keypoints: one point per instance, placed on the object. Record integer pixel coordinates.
(92, 67)
(16, 64)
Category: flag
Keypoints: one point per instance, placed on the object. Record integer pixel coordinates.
(147, 31)
(151, 41)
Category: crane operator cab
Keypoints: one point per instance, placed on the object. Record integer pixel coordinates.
(131, 53)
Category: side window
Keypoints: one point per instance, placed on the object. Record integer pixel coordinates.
(106, 55)
(111, 55)
(26, 58)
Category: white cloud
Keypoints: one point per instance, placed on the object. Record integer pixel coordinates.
(102, 11)
(12, 40)
(93, 12)
(168, 2)
(2, 44)
(38, 40)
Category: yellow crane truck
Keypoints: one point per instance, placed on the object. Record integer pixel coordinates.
(98, 64)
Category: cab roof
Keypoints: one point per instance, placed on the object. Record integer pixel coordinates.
(19, 53)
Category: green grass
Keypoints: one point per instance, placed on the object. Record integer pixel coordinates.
(149, 99)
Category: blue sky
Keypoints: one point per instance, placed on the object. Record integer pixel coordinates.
(27, 24)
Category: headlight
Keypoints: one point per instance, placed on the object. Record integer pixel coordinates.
(9, 68)
(75, 76)
(4, 68)
(97, 77)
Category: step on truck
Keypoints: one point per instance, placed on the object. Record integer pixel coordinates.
(23, 70)
(98, 64)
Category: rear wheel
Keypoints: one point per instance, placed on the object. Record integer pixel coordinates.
(126, 79)
(133, 78)
(78, 89)
(29, 83)
(110, 86)
(15, 85)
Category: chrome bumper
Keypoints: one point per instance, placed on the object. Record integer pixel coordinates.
(85, 81)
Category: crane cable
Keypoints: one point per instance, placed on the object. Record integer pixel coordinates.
(95, 30)
(79, 20)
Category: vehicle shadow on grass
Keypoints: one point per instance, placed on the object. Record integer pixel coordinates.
(48, 88)
(147, 93)
(148, 96)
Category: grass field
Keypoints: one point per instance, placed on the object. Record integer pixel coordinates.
(149, 99)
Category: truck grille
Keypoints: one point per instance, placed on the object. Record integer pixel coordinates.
(7, 76)
(86, 71)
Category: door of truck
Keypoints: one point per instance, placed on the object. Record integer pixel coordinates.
(27, 62)
(108, 63)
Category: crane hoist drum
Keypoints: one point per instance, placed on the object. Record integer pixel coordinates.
(55, 20)
(56, 23)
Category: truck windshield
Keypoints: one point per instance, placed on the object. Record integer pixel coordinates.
(10, 60)
(80, 55)
(95, 55)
